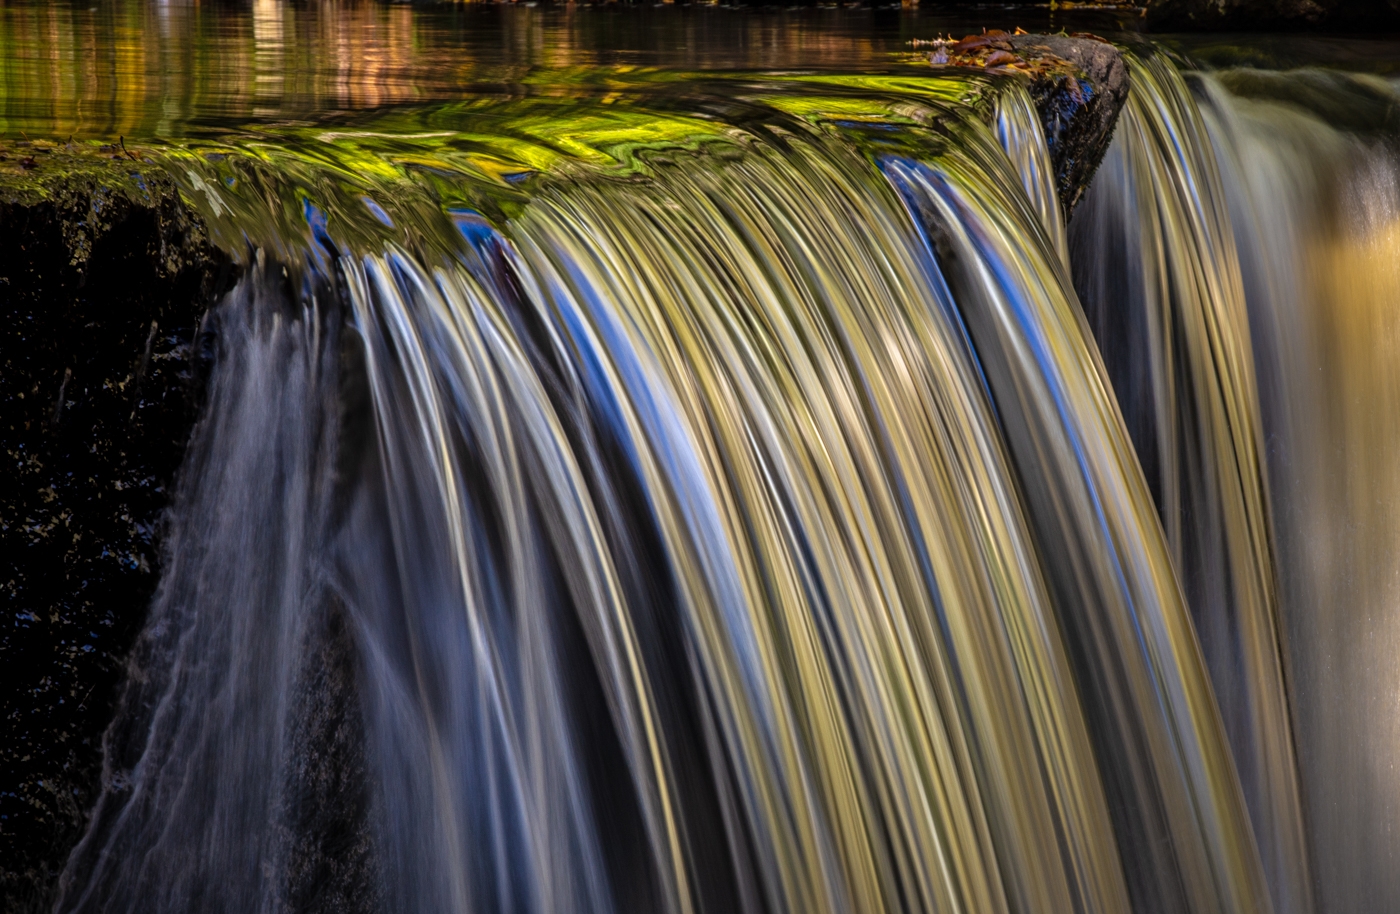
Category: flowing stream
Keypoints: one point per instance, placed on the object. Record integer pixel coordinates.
(707, 494)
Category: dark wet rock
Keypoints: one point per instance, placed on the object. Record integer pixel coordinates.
(1222, 13)
(1077, 110)
(328, 854)
(1078, 83)
(104, 277)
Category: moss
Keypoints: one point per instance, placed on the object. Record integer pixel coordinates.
(93, 186)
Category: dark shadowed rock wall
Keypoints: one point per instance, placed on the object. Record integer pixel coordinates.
(104, 278)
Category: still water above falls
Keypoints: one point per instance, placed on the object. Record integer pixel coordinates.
(705, 493)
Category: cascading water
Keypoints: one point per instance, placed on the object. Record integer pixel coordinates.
(685, 566)
(1251, 240)
(1313, 188)
(1167, 773)
(1154, 258)
(651, 510)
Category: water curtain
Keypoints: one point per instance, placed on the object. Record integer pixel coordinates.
(1155, 259)
(755, 530)
(1313, 191)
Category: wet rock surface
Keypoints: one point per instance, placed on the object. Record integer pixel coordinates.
(329, 855)
(1078, 83)
(1078, 111)
(104, 278)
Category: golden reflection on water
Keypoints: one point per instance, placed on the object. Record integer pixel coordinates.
(139, 68)
(143, 69)
(166, 68)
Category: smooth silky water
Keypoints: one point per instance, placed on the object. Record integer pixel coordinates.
(681, 461)
(1253, 232)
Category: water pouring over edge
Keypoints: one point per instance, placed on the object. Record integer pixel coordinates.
(766, 532)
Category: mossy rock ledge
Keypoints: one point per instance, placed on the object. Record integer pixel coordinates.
(105, 276)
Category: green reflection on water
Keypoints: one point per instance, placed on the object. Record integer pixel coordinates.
(490, 154)
(384, 119)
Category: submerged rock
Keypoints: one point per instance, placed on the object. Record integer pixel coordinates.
(105, 275)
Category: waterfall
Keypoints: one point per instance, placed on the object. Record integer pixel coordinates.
(1181, 827)
(1246, 224)
(747, 520)
(199, 763)
(1155, 259)
(1313, 188)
